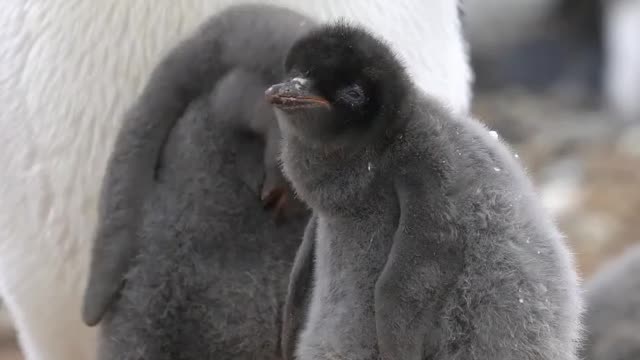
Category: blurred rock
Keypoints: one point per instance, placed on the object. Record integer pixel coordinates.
(9, 350)
(6, 328)
(8, 346)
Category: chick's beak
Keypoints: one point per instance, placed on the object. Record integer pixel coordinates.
(294, 94)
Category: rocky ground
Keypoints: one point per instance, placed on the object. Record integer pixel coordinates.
(585, 165)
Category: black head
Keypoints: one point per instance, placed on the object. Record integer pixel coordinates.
(342, 84)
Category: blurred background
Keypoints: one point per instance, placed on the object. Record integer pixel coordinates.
(560, 81)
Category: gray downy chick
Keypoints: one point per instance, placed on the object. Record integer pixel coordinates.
(186, 263)
(427, 239)
(612, 316)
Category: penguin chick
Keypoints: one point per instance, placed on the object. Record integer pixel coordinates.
(238, 98)
(198, 270)
(255, 38)
(209, 276)
(427, 239)
(612, 317)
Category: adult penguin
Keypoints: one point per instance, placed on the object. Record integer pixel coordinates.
(69, 71)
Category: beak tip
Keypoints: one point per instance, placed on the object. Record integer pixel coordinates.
(292, 95)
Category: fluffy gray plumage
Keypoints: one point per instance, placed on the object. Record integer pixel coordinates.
(612, 317)
(186, 262)
(427, 239)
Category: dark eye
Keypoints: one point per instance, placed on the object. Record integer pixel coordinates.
(353, 94)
